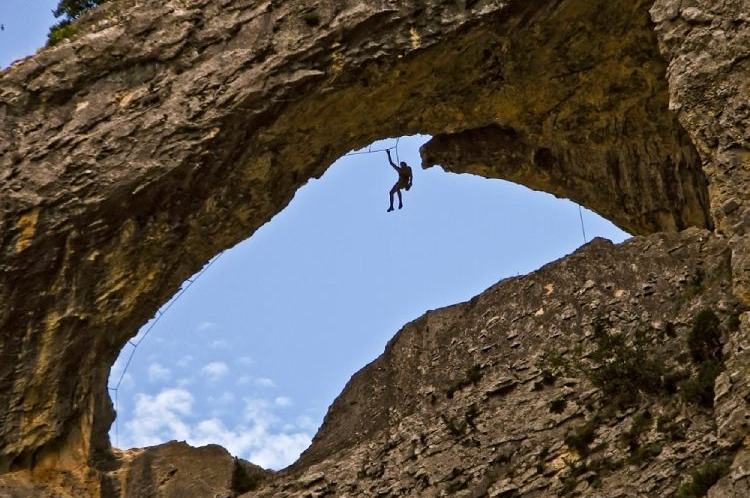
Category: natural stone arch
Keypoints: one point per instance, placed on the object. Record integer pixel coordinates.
(168, 131)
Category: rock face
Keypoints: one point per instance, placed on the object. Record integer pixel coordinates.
(167, 131)
(171, 470)
(496, 396)
(175, 470)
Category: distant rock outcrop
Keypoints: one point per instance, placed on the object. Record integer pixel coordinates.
(166, 131)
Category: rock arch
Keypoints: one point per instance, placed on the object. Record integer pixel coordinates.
(168, 131)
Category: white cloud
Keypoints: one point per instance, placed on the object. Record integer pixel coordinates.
(260, 436)
(213, 431)
(158, 373)
(159, 418)
(244, 380)
(219, 344)
(206, 326)
(245, 361)
(264, 382)
(215, 370)
(116, 374)
(306, 423)
(225, 398)
(271, 449)
(125, 380)
(128, 381)
(185, 361)
(256, 442)
(257, 381)
(280, 450)
(283, 401)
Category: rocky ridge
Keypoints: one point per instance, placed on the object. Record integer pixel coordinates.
(510, 395)
(168, 131)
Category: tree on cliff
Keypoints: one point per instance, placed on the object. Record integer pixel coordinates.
(68, 11)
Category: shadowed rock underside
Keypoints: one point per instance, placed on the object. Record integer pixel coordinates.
(165, 132)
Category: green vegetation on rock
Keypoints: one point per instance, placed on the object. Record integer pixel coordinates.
(704, 339)
(627, 366)
(68, 11)
(704, 343)
(581, 437)
(624, 370)
(702, 478)
(558, 405)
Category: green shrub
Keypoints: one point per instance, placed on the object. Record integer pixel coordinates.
(245, 477)
(558, 405)
(675, 431)
(641, 423)
(623, 366)
(672, 379)
(596, 468)
(312, 19)
(60, 31)
(68, 11)
(704, 343)
(456, 425)
(72, 9)
(704, 339)
(471, 415)
(472, 376)
(581, 437)
(624, 370)
(702, 478)
(643, 454)
(541, 460)
(699, 389)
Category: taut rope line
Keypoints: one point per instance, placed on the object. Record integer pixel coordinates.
(159, 313)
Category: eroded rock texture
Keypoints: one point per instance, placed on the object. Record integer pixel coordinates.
(583, 94)
(175, 470)
(482, 398)
(708, 46)
(167, 131)
(171, 470)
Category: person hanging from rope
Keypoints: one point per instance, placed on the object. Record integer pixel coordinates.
(404, 180)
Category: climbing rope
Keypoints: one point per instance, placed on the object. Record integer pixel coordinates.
(367, 152)
(154, 321)
(161, 312)
(583, 228)
(371, 151)
(398, 161)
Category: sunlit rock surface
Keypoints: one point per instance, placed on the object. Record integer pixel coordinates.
(481, 398)
(167, 131)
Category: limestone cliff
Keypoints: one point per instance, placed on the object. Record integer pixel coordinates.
(166, 131)
(526, 390)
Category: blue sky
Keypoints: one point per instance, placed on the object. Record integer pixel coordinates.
(254, 352)
(26, 25)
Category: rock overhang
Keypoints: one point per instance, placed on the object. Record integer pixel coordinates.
(164, 134)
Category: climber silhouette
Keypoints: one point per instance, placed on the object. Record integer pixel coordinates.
(404, 180)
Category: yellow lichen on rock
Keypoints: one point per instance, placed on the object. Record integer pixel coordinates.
(27, 228)
(416, 40)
